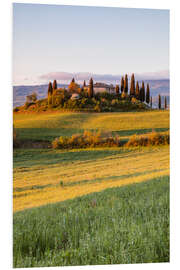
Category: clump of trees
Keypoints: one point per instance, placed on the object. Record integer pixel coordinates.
(31, 98)
(124, 98)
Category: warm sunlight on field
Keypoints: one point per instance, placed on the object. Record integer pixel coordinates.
(48, 126)
(38, 185)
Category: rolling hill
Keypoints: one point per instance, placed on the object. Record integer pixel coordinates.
(20, 92)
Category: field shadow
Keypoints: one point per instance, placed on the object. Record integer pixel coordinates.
(34, 157)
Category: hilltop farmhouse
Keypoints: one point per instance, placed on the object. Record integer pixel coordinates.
(102, 87)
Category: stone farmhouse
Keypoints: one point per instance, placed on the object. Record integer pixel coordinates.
(102, 87)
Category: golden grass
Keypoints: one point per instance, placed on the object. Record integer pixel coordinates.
(107, 121)
(138, 165)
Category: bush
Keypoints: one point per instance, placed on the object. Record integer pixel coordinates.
(153, 138)
(134, 100)
(123, 95)
(28, 104)
(97, 108)
(16, 109)
(87, 139)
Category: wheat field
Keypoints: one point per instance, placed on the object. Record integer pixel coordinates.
(43, 176)
(38, 185)
(48, 126)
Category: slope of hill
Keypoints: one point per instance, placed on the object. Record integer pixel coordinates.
(20, 92)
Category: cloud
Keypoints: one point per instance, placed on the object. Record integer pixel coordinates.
(66, 77)
(163, 74)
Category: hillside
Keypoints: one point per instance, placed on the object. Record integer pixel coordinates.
(71, 206)
(49, 125)
(38, 172)
(20, 92)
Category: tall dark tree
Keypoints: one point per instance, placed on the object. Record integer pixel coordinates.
(151, 102)
(50, 89)
(165, 103)
(137, 94)
(54, 86)
(147, 94)
(73, 80)
(159, 102)
(122, 84)
(126, 84)
(143, 92)
(84, 83)
(117, 89)
(132, 87)
(91, 88)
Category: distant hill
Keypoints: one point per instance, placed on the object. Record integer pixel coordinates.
(20, 92)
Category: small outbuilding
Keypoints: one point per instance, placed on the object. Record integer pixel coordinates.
(75, 96)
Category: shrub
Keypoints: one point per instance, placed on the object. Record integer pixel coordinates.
(134, 100)
(28, 104)
(16, 109)
(97, 108)
(153, 138)
(115, 102)
(87, 139)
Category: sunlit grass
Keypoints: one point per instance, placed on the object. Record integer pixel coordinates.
(122, 225)
(42, 184)
(48, 126)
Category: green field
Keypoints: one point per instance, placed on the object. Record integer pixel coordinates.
(48, 126)
(76, 206)
(122, 225)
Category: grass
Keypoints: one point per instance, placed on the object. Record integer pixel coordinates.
(48, 126)
(38, 173)
(90, 206)
(121, 225)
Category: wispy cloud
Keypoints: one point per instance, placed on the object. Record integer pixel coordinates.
(65, 77)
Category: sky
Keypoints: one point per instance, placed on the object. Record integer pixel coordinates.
(62, 41)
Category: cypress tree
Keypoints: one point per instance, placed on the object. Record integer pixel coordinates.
(137, 94)
(117, 89)
(165, 103)
(50, 89)
(151, 102)
(159, 102)
(122, 84)
(147, 94)
(73, 80)
(91, 88)
(84, 84)
(143, 92)
(126, 84)
(54, 86)
(132, 88)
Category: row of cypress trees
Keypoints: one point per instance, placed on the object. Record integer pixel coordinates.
(51, 89)
(135, 91)
(160, 104)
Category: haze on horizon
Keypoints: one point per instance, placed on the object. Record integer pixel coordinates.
(51, 40)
